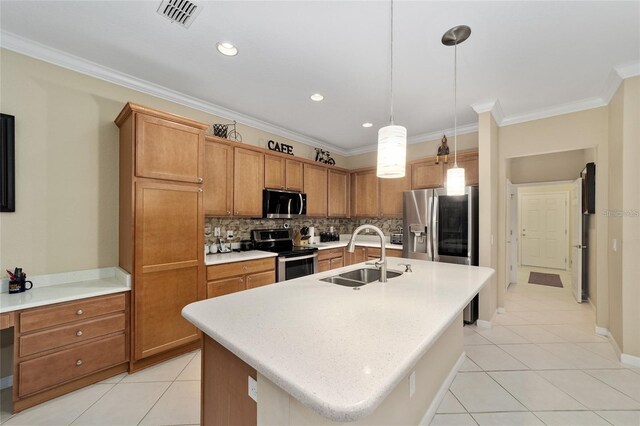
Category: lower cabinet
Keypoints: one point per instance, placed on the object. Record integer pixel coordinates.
(229, 278)
(63, 347)
(365, 254)
(330, 259)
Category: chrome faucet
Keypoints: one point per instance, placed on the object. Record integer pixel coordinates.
(382, 263)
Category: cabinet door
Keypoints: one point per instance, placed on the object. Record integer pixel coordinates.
(470, 166)
(294, 176)
(364, 194)
(260, 279)
(391, 198)
(394, 253)
(337, 262)
(315, 186)
(167, 150)
(274, 172)
(218, 179)
(169, 262)
(226, 286)
(358, 255)
(324, 265)
(248, 182)
(337, 194)
(426, 174)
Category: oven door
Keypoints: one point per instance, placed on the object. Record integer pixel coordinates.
(297, 266)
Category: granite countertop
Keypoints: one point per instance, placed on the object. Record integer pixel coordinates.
(65, 287)
(236, 256)
(339, 351)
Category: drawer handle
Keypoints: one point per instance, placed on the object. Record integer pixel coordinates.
(79, 312)
(79, 333)
(228, 213)
(79, 362)
(200, 179)
(244, 268)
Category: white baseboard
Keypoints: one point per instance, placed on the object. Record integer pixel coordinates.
(442, 392)
(602, 331)
(484, 324)
(630, 360)
(502, 311)
(6, 382)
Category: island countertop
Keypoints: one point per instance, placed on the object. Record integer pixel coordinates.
(336, 350)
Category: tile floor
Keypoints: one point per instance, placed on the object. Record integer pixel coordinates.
(540, 364)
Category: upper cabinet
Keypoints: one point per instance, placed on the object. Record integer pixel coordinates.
(248, 182)
(426, 174)
(315, 186)
(282, 173)
(168, 150)
(391, 198)
(338, 199)
(218, 179)
(364, 193)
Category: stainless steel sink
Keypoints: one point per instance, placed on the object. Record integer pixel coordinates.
(359, 277)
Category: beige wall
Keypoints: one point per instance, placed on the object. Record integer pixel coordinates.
(576, 131)
(488, 216)
(548, 167)
(67, 164)
(416, 151)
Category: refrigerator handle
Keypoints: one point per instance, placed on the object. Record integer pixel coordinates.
(434, 228)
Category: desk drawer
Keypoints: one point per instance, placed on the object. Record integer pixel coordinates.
(39, 318)
(77, 332)
(216, 272)
(60, 367)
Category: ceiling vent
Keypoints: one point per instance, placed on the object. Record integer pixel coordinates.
(182, 12)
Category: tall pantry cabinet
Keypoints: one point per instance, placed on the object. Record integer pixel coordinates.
(161, 223)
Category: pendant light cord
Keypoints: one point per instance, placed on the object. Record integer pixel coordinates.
(455, 105)
(391, 116)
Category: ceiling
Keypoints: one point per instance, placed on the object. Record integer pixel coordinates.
(531, 56)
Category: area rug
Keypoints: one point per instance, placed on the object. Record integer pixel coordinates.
(541, 278)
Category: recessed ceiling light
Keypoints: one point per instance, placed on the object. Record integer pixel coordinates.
(316, 97)
(227, 49)
(367, 124)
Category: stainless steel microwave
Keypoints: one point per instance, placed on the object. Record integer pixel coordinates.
(283, 204)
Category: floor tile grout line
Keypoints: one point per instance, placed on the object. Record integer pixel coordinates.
(155, 403)
(113, 385)
(607, 384)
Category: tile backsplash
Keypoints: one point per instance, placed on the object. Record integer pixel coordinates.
(242, 227)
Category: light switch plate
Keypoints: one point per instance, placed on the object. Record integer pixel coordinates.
(412, 384)
(253, 389)
(614, 244)
(229, 235)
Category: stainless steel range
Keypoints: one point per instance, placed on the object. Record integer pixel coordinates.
(293, 261)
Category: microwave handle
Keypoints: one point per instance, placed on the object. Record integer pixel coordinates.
(301, 203)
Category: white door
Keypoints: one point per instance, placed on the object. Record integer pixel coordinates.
(512, 236)
(576, 237)
(543, 221)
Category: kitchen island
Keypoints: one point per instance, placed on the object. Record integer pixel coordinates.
(326, 353)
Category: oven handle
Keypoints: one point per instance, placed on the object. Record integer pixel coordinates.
(291, 259)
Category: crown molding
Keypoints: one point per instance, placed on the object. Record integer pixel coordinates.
(66, 60)
(493, 107)
(421, 138)
(553, 111)
(628, 70)
(611, 86)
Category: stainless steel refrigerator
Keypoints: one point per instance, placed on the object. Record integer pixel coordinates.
(442, 228)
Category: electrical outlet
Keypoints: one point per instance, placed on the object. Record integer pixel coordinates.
(614, 244)
(412, 384)
(216, 231)
(229, 235)
(253, 389)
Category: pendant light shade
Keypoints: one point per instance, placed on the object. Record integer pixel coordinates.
(392, 151)
(455, 181)
(392, 139)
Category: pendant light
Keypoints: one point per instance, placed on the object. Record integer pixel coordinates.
(455, 175)
(392, 139)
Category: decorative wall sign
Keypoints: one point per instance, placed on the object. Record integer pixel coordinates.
(443, 151)
(280, 147)
(323, 156)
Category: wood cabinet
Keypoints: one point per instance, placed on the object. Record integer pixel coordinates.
(237, 276)
(426, 174)
(391, 195)
(315, 186)
(218, 179)
(364, 193)
(374, 253)
(248, 182)
(331, 259)
(359, 255)
(66, 346)
(161, 225)
(282, 173)
(337, 193)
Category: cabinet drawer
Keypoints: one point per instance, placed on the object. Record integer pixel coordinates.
(260, 279)
(216, 272)
(35, 319)
(330, 253)
(222, 287)
(60, 367)
(65, 335)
